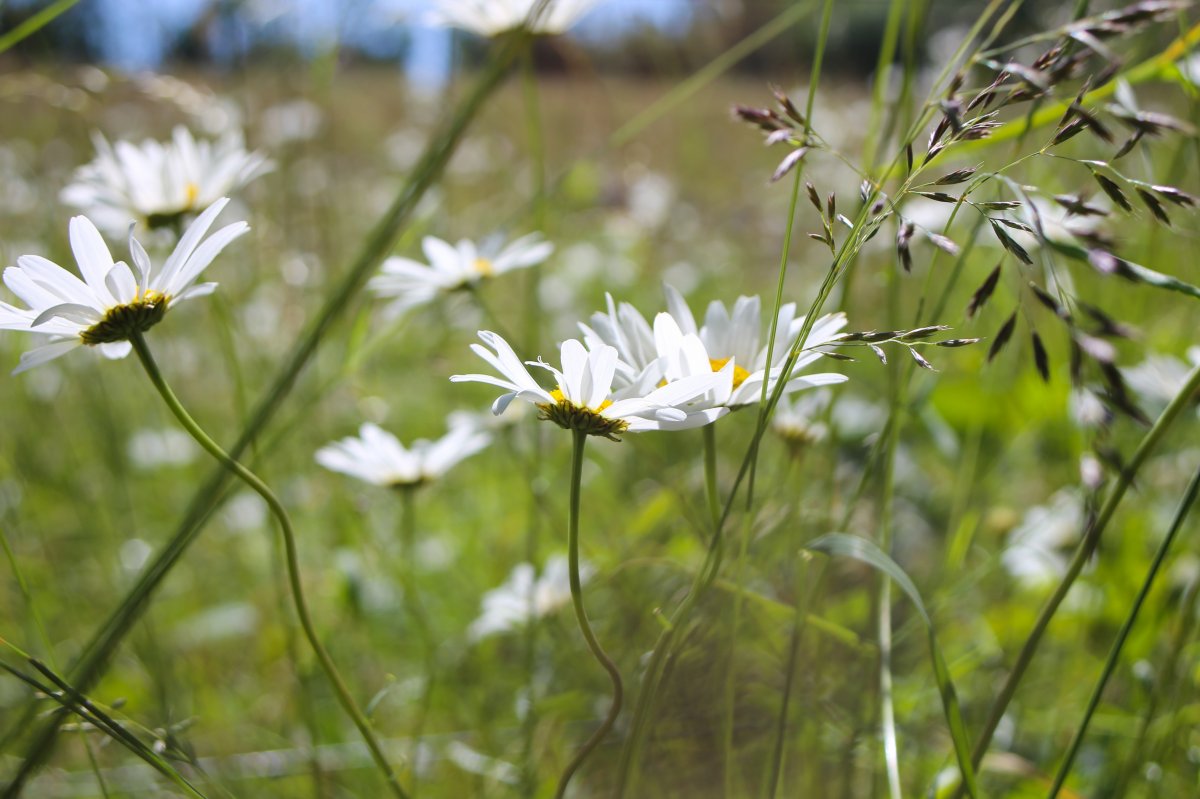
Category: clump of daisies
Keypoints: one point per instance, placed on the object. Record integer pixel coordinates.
(451, 267)
(584, 398)
(377, 457)
(493, 17)
(112, 302)
(732, 339)
(161, 184)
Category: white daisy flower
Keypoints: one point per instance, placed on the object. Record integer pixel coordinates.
(584, 399)
(377, 457)
(493, 17)
(523, 597)
(726, 339)
(452, 267)
(112, 301)
(157, 184)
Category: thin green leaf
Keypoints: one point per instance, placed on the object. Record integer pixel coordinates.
(35, 23)
(860, 549)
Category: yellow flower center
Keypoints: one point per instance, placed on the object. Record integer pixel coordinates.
(570, 416)
(483, 267)
(739, 374)
(191, 192)
(560, 397)
(122, 321)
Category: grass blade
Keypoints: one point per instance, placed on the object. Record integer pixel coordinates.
(841, 545)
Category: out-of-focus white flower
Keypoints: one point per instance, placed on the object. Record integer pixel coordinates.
(1036, 555)
(153, 449)
(493, 17)
(584, 400)
(1087, 409)
(219, 623)
(1160, 377)
(522, 597)
(158, 184)
(112, 301)
(475, 762)
(795, 419)
(298, 120)
(1057, 224)
(726, 339)
(855, 417)
(245, 512)
(651, 198)
(377, 457)
(451, 267)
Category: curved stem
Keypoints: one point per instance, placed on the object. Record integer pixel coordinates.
(1184, 506)
(93, 660)
(1087, 546)
(581, 616)
(293, 561)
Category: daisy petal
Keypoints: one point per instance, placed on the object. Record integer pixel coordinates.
(47, 352)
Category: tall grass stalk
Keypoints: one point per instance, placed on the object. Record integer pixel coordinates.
(883, 609)
(1087, 545)
(94, 658)
(93, 717)
(31, 606)
(685, 89)
(748, 525)
(1110, 663)
(35, 23)
(1168, 679)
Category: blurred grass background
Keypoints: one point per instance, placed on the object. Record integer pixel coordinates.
(214, 662)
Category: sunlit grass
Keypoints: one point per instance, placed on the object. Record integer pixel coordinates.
(945, 471)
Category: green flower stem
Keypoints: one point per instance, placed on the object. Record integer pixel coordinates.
(94, 658)
(710, 475)
(1087, 546)
(293, 561)
(580, 438)
(1114, 653)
